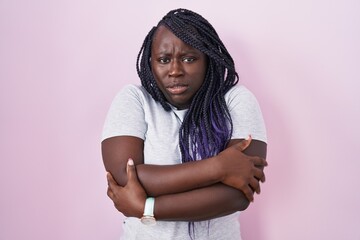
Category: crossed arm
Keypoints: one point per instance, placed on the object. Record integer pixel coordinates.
(192, 191)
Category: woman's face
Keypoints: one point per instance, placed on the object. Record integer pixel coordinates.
(179, 69)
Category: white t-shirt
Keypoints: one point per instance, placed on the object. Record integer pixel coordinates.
(134, 112)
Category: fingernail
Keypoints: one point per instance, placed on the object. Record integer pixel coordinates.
(130, 162)
(248, 137)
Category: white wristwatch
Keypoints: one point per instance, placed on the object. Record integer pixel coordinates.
(148, 217)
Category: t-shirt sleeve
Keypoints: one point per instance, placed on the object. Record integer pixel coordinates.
(126, 115)
(245, 114)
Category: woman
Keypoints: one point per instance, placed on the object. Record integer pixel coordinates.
(174, 147)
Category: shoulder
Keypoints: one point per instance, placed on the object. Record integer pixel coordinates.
(135, 98)
(126, 114)
(132, 89)
(132, 92)
(239, 91)
(239, 94)
(245, 113)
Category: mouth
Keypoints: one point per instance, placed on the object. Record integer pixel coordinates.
(177, 89)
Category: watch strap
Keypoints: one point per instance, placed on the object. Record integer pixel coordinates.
(149, 206)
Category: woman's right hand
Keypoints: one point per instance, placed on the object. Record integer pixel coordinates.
(130, 199)
(241, 171)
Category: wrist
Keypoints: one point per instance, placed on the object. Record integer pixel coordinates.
(140, 210)
(148, 215)
(216, 168)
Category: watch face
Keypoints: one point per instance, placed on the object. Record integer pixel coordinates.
(148, 220)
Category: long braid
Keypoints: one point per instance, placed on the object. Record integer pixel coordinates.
(207, 126)
(143, 68)
(208, 42)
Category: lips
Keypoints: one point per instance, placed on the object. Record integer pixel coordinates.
(177, 89)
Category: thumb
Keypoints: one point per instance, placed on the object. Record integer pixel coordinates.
(111, 180)
(244, 143)
(130, 169)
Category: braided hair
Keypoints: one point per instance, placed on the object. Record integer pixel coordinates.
(207, 125)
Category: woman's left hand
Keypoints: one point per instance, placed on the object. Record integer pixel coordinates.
(130, 199)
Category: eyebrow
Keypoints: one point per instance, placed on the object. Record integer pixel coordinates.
(184, 52)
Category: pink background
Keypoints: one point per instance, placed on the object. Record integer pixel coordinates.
(62, 62)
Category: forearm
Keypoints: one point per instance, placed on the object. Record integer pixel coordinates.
(200, 204)
(159, 180)
(156, 179)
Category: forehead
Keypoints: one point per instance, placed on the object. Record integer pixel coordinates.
(162, 32)
(164, 38)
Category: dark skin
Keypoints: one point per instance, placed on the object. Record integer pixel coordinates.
(179, 69)
(213, 200)
(191, 191)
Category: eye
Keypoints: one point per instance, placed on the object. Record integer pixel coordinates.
(189, 59)
(164, 60)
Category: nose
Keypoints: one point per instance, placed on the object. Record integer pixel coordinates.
(176, 68)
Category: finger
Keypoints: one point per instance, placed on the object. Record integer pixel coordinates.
(110, 193)
(249, 194)
(255, 185)
(259, 162)
(262, 179)
(244, 143)
(131, 170)
(111, 180)
(259, 174)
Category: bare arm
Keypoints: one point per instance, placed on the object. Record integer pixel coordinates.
(156, 179)
(189, 205)
(200, 204)
(167, 179)
(206, 203)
